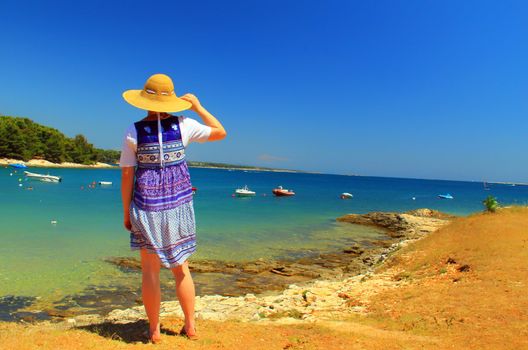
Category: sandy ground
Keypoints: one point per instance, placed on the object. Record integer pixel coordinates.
(41, 163)
(461, 287)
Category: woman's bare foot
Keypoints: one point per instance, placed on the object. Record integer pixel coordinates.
(189, 332)
(155, 335)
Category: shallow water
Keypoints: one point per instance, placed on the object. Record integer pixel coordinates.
(50, 261)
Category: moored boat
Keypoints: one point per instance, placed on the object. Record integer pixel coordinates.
(346, 195)
(282, 192)
(42, 177)
(105, 183)
(446, 196)
(18, 165)
(244, 192)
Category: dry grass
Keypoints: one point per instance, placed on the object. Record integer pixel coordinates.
(479, 298)
(214, 335)
(483, 307)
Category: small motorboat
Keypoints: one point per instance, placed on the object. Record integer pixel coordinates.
(244, 192)
(282, 192)
(194, 189)
(105, 183)
(446, 196)
(346, 195)
(18, 165)
(42, 177)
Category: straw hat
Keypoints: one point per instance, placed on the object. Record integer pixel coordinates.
(158, 95)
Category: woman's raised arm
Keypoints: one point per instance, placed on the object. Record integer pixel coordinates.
(217, 129)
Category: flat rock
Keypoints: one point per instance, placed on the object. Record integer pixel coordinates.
(410, 225)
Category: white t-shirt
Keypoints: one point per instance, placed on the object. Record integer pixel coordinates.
(191, 131)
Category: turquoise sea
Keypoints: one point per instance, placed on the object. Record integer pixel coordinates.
(49, 261)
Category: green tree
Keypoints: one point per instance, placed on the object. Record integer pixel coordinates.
(83, 152)
(491, 204)
(14, 142)
(55, 149)
(108, 156)
(21, 138)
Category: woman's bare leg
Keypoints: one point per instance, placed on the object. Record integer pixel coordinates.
(150, 288)
(185, 293)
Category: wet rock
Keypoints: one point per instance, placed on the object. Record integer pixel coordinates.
(353, 267)
(368, 260)
(401, 225)
(125, 263)
(10, 304)
(209, 266)
(258, 266)
(28, 318)
(281, 271)
(59, 313)
(385, 243)
(355, 249)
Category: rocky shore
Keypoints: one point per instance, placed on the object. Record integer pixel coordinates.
(306, 289)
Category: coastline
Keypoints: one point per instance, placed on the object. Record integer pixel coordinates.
(42, 163)
(323, 295)
(249, 169)
(446, 283)
(255, 285)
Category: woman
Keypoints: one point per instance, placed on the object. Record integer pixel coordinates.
(157, 204)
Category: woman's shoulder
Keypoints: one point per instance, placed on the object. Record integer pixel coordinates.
(130, 131)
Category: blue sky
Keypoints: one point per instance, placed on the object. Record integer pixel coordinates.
(426, 89)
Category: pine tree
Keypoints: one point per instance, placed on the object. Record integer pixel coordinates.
(21, 138)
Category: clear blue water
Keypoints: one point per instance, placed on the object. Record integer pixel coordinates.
(38, 258)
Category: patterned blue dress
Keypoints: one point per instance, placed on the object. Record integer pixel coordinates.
(161, 212)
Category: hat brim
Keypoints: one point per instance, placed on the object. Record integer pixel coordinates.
(172, 104)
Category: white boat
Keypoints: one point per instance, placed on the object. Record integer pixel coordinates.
(41, 177)
(105, 183)
(346, 195)
(244, 192)
(445, 196)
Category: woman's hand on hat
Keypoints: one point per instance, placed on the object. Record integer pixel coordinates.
(193, 100)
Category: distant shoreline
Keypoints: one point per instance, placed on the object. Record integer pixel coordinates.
(245, 169)
(42, 163)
